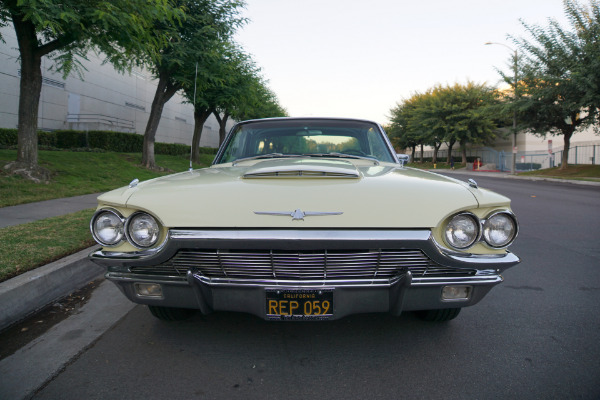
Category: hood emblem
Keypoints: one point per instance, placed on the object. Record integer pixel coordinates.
(297, 214)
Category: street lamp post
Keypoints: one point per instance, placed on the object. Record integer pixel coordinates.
(514, 135)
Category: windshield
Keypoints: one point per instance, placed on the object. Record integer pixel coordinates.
(305, 138)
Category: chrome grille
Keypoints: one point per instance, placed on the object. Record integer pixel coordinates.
(307, 265)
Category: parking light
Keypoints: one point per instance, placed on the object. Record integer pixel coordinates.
(148, 290)
(456, 292)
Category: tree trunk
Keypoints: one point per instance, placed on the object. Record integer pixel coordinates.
(222, 123)
(164, 91)
(450, 145)
(200, 117)
(463, 151)
(567, 146)
(436, 148)
(421, 153)
(413, 151)
(29, 92)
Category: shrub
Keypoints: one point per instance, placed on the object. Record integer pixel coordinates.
(119, 142)
(8, 137)
(527, 166)
(71, 139)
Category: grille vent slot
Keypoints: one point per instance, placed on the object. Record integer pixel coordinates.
(301, 174)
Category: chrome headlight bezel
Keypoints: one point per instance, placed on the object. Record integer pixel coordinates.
(120, 226)
(486, 235)
(447, 232)
(131, 236)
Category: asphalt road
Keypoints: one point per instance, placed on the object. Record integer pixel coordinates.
(536, 336)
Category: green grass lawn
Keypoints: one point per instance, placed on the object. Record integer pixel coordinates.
(77, 173)
(587, 172)
(28, 246)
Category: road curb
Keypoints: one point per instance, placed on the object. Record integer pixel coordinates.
(540, 178)
(475, 174)
(31, 291)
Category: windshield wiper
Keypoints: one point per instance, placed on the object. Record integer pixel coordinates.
(343, 155)
(263, 156)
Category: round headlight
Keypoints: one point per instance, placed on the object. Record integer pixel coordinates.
(107, 228)
(142, 230)
(462, 231)
(500, 230)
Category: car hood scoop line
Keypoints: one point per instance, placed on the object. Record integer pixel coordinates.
(303, 169)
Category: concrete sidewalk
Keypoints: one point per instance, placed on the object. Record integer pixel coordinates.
(24, 213)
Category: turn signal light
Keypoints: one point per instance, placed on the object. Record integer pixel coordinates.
(148, 290)
(456, 292)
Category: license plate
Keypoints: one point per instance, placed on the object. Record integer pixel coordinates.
(305, 304)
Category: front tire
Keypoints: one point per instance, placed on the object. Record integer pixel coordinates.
(171, 313)
(439, 315)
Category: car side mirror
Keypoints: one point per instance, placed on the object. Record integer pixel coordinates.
(403, 158)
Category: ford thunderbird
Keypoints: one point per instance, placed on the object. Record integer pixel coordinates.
(305, 219)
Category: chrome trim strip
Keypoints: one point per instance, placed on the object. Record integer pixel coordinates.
(467, 280)
(297, 215)
(295, 283)
(325, 235)
(130, 277)
(505, 258)
(489, 259)
(469, 258)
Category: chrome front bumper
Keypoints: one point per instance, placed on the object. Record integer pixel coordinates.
(406, 294)
(351, 296)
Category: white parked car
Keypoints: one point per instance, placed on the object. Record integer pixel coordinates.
(304, 219)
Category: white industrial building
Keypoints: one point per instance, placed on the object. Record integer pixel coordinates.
(103, 100)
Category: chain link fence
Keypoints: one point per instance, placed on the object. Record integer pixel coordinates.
(491, 159)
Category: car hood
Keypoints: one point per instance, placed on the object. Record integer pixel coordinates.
(330, 194)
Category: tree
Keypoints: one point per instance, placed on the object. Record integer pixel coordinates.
(471, 118)
(244, 94)
(430, 116)
(402, 133)
(220, 86)
(459, 113)
(254, 100)
(560, 74)
(261, 102)
(64, 32)
(230, 87)
(196, 40)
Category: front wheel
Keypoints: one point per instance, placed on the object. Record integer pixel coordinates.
(171, 313)
(439, 315)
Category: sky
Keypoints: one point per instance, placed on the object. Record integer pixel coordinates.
(358, 59)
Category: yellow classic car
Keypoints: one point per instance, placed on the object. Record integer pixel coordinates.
(305, 219)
